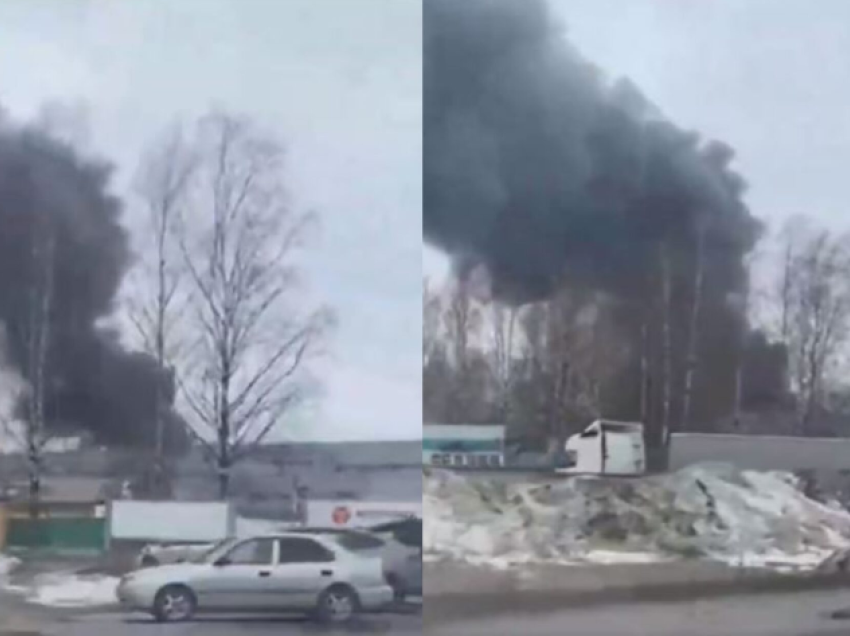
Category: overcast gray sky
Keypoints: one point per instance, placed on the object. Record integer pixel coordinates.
(770, 77)
(338, 80)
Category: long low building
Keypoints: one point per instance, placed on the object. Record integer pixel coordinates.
(463, 445)
(761, 452)
(466, 446)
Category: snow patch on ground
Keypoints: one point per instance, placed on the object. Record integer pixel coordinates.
(71, 590)
(608, 557)
(7, 564)
(780, 561)
(716, 512)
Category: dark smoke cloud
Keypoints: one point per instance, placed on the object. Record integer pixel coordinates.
(536, 167)
(46, 189)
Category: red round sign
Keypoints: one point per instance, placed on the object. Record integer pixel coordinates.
(341, 515)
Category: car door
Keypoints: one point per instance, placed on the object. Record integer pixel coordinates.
(303, 570)
(241, 579)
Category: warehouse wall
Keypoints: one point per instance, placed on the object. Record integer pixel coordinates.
(761, 452)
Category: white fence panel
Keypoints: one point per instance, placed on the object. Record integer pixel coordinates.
(171, 521)
(358, 514)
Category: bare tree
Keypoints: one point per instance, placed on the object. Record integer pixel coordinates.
(791, 234)
(462, 322)
(40, 306)
(432, 311)
(438, 378)
(163, 182)
(503, 322)
(666, 344)
(818, 317)
(572, 350)
(240, 245)
(744, 302)
(564, 336)
(645, 345)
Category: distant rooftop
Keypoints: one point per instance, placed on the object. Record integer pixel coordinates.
(464, 431)
(352, 454)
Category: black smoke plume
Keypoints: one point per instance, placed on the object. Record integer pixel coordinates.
(50, 194)
(538, 168)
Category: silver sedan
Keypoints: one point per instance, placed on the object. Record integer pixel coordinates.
(286, 572)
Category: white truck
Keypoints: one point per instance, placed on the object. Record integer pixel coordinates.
(606, 447)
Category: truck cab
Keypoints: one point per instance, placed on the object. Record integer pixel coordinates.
(606, 447)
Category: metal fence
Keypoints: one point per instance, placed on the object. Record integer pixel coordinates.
(56, 534)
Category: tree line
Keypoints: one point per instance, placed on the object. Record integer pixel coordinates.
(685, 355)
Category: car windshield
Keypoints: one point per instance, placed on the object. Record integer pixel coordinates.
(215, 552)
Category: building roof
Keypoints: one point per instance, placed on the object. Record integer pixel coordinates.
(350, 454)
(464, 431)
(74, 490)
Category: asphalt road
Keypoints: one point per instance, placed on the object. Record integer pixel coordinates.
(798, 614)
(19, 620)
(115, 624)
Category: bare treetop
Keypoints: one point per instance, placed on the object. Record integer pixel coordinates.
(162, 183)
(240, 242)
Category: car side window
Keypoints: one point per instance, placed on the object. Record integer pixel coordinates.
(357, 541)
(303, 550)
(253, 552)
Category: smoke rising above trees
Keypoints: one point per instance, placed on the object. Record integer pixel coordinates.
(214, 300)
(536, 167)
(568, 187)
(51, 196)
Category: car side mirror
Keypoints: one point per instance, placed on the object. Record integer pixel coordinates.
(220, 563)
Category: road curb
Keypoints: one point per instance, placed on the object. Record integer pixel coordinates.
(456, 606)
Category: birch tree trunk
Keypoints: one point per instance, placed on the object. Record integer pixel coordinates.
(254, 334)
(667, 350)
(644, 372)
(157, 304)
(692, 360)
(41, 301)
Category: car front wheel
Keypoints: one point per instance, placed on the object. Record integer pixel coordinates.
(173, 604)
(338, 604)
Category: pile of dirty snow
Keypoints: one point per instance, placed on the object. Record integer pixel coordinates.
(717, 512)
